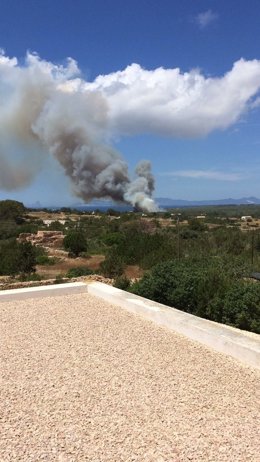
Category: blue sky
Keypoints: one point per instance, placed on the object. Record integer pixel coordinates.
(105, 37)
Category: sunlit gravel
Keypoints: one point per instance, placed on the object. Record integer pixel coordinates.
(82, 380)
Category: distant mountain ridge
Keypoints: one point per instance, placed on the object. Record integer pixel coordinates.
(167, 202)
(160, 201)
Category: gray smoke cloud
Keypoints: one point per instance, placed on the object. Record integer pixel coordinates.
(37, 106)
(50, 109)
(13, 177)
(140, 190)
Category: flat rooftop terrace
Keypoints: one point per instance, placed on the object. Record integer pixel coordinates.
(83, 380)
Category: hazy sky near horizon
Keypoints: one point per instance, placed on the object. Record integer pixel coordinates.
(198, 123)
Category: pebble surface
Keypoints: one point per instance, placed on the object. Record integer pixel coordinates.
(82, 380)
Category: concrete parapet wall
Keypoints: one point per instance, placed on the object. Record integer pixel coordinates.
(43, 291)
(233, 342)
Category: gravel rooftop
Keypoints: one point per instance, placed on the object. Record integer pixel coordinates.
(82, 380)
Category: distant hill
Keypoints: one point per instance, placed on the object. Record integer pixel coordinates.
(162, 202)
(166, 202)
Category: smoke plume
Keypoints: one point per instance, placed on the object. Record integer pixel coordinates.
(140, 190)
(13, 177)
(38, 106)
(50, 109)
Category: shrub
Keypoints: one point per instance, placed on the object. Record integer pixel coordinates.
(56, 226)
(45, 260)
(75, 242)
(112, 266)
(210, 288)
(9, 257)
(241, 307)
(79, 271)
(122, 282)
(187, 233)
(196, 224)
(16, 258)
(11, 210)
(26, 257)
(59, 279)
(30, 277)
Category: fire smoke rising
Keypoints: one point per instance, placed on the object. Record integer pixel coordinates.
(49, 108)
(39, 106)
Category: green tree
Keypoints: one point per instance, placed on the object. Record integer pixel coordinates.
(122, 282)
(56, 226)
(11, 215)
(26, 257)
(17, 258)
(75, 242)
(11, 210)
(9, 260)
(112, 266)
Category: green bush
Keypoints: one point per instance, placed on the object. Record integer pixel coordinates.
(56, 226)
(11, 210)
(45, 260)
(79, 271)
(138, 247)
(9, 257)
(122, 282)
(30, 277)
(75, 242)
(16, 258)
(187, 233)
(196, 224)
(113, 238)
(26, 257)
(27, 228)
(241, 307)
(112, 266)
(209, 288)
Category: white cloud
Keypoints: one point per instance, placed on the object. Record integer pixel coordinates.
(135, 100)
(206, 175)
(169, 102)
(52, 109)
(5, 61)
(205, 18)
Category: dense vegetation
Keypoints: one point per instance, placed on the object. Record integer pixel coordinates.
(75, 242)
(201, 266)
(16, 258)
(212, 288)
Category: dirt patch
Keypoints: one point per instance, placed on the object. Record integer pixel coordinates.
(133, 272)
(64, 265)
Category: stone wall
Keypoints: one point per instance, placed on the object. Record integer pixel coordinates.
(43, 238)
